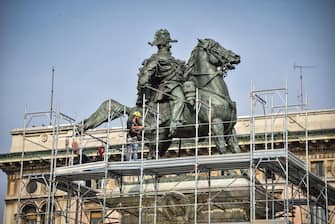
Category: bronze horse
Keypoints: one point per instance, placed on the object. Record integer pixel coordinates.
(206, 68)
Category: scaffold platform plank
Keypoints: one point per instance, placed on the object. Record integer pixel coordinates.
(271, 159)
(167, 166)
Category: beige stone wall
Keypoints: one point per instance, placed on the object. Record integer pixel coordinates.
(37, 139)
(316, 120)
(40, 138)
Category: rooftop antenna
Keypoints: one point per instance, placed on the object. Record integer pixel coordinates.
(301, 95)
(52, 93)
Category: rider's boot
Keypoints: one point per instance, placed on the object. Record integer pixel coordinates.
(177, 108)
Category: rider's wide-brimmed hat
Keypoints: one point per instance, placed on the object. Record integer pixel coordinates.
(162, 37)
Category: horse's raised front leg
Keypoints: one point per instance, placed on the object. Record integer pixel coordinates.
(98, 117)
(218, 130)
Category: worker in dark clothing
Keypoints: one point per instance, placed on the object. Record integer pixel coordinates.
(134, 126)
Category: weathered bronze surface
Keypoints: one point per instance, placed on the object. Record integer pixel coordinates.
(170, 82)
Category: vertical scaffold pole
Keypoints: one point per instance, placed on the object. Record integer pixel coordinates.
(265, 108)
(307, 168)
(272, 123)
(18, 213)
(196, 155)
(266, 196)
(272, 148)
(157, 148)
(273, 195)
(155, 205)
(68, 205)
(50, 208)
(286, 155)
(210, 126)
(48, 215)
(292, 201)
(142, 163)
(125, 135)
(68, 162)
(157, 131)
(251, 168)
(55, 152)
(52, 93)
(209, 201)
(77, 208)
(81, 204)
(78, 199)
(209, 153)
(326, 196)
(106, 162)
(81, 147)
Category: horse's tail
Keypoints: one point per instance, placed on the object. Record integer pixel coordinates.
(111, 108)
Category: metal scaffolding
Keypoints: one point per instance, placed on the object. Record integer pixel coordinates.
(277, 164)
(47, 178)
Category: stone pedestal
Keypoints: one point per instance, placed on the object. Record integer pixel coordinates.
(226, 200)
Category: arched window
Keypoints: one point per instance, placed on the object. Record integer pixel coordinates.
(29, 215)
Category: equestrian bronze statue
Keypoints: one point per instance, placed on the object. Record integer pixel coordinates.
(172, 84)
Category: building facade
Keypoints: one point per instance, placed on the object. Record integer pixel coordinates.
(35, 195)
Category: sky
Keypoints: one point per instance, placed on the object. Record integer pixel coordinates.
(97, 47)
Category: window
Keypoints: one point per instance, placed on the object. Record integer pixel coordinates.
(96, 217)
(29, 214)
(317, 168)
(31, 186)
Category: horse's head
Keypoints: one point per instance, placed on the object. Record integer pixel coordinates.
(218, 55)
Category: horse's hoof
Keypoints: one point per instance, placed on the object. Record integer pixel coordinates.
(172, 132)
(222, 150)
